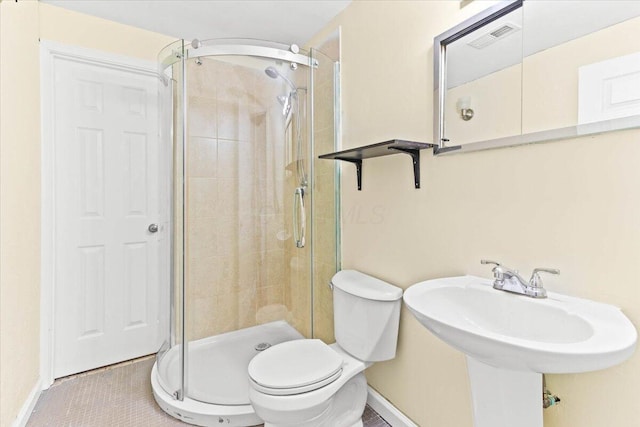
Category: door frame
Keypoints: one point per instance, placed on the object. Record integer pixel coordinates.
(50, 52)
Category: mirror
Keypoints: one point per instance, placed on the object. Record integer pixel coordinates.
(533, 70)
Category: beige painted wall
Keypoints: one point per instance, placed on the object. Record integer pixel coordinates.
(78, 29)
(573, 205)
(19, 205)
(21, 24)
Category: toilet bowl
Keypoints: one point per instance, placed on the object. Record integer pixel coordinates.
(307, 383)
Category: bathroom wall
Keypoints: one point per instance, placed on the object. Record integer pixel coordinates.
(19, 205)
(21, 24)
(573, 205)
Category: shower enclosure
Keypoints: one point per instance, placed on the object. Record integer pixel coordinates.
(253, 215)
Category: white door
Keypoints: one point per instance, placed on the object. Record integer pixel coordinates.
(106, 306)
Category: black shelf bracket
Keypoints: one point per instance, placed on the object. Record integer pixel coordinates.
(386, 148)
(358, 163)
(415, 157)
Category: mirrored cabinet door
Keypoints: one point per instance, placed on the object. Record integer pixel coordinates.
(484, 82)
(582, 70)
(525, 71)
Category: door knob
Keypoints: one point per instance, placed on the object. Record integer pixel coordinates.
(153, 228)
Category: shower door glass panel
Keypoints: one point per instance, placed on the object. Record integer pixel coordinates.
(326, 192)
(170, 358)
(247, 150)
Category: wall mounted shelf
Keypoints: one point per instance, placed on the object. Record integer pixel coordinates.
(386, 148)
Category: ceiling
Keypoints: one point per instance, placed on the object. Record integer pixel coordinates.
(285, 21)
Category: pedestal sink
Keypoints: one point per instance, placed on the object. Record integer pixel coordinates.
(511, 340)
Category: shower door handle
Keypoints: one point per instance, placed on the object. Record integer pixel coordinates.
(299, 217)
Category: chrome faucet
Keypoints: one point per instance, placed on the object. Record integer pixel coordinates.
(506, 279)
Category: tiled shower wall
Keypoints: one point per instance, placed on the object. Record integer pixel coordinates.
(236, 233)
(239, 270)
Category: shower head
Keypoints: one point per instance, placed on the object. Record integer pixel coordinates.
(274, 74)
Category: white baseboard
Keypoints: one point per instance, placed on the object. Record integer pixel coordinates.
(27, 407)
(390, 413)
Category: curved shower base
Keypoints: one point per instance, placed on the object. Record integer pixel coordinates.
(218, 380)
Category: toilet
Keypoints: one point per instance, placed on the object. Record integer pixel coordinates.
(307, 383)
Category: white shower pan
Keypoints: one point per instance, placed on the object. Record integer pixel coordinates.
(217, 379)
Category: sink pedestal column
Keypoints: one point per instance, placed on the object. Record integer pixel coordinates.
(504, 398)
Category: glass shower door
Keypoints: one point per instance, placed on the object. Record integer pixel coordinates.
(252, 209)
(247, 273)
(170, 358)
(326, 191)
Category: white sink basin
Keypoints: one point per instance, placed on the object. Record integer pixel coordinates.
(559, 334)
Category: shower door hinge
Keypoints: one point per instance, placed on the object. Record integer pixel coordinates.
(177, 395)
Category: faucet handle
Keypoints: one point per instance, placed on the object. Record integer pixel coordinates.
(498, 272)
(536, 281)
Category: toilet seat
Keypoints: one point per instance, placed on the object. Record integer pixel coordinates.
(295, 367)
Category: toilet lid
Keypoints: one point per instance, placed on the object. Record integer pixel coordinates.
(295, 364)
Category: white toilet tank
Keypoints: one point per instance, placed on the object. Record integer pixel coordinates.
(366, 314)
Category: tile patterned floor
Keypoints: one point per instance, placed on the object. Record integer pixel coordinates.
(117, 396)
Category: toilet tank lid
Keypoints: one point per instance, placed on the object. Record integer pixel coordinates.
(364, 286)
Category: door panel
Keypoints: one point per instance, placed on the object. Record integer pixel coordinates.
(106, 173)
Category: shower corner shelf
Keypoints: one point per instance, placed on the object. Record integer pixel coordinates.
(386, 148)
